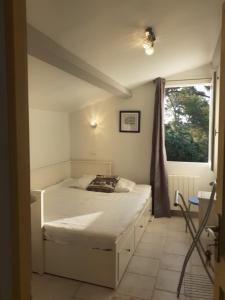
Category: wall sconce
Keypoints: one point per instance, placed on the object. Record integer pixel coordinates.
(93, 124)
(149, 39)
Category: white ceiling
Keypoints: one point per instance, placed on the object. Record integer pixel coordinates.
(108, 35)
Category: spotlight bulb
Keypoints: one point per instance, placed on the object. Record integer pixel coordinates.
(149, 51)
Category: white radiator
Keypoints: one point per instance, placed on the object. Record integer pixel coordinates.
(187, 186)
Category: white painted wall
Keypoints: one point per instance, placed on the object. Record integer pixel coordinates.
(129, 152)
(193, 74)
(49, 137)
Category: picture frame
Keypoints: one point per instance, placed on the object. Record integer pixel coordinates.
(130, 121)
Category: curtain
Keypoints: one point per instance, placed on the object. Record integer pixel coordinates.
(158, 175)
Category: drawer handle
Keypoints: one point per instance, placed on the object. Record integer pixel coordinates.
(128, 250)
(141, 226)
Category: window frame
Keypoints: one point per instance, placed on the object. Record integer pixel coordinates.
(213, 115)
(187, 83)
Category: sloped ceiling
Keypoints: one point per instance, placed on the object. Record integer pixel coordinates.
(52, 89)
(108, 35)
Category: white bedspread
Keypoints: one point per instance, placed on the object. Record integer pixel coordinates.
(87, 218)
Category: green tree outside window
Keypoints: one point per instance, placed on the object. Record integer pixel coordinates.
(187, 123)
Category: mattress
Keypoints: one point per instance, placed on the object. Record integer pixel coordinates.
(90, 219)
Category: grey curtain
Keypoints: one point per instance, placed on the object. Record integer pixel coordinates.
(158, 175)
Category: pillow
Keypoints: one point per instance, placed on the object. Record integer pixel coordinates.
(124, 186)
(104, 184)
(83, 181)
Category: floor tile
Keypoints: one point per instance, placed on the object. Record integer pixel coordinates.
(195, 259)
(177, 220)
(152, 237)
(198, 270)
(48, 287)
(116, 297)
(182, 237)
(162, 295)
(177, 224)
(161, 220)
(144, 266)
(94, 292)
(149, 250)
(137, 286)
(171, 262)
(174, 247)
(124, 297)
(167, 280)
(159, 228)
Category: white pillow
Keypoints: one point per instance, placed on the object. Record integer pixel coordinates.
(83, 182)
(124, 186)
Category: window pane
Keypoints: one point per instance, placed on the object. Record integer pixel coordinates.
(187, 123)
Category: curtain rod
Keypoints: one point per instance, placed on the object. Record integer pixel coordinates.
(188, 79)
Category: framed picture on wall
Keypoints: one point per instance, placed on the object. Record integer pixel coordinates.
(130, 121)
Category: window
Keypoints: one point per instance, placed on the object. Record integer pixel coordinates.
(187, 123)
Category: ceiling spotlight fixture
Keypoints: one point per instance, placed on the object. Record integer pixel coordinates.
(93, 124)
(149, 39)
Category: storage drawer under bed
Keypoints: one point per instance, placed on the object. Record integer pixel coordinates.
(141, 224)
(125, 253)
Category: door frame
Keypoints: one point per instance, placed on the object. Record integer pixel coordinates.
(15, 250)
(220, 203)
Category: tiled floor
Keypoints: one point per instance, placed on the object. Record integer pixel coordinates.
(152, 274)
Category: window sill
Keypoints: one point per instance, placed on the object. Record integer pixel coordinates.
(189, 164)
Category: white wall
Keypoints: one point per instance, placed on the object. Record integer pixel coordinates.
(129, 152)
(194, 74)
(49, 137)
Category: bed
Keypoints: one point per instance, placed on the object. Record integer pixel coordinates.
(87, 236)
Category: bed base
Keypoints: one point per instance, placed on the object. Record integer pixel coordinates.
(101, 267)
(89, 265)
(96, 266)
